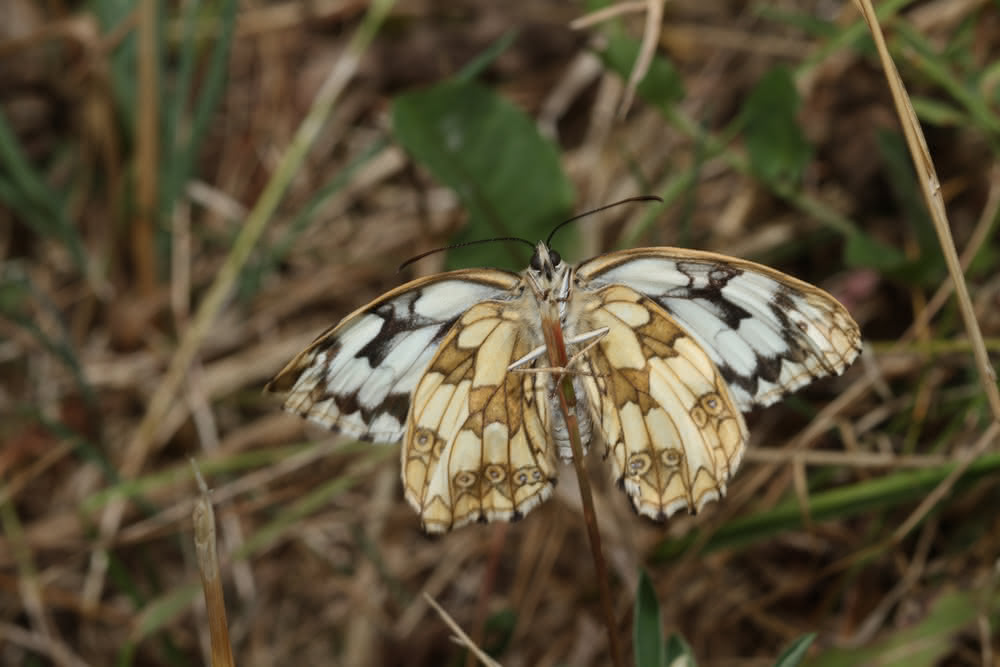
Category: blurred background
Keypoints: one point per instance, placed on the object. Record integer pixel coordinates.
(172, 231)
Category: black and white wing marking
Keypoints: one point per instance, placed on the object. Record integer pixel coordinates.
(358, 376)
(767, 332)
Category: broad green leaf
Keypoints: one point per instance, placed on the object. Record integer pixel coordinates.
(490, 153)
(777, 147)
(647, 626)
(792, 656)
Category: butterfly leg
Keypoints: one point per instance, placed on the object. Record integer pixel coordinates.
(594, 337)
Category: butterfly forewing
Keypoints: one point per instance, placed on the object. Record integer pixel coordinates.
(477, 446)
(767, 332)
(674, 434)
(357, 377)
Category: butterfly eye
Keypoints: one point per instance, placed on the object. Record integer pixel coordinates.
(554, 256)
(536, 262)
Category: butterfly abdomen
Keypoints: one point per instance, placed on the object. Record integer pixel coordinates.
(560, 434)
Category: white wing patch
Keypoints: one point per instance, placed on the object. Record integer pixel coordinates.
(357, 377)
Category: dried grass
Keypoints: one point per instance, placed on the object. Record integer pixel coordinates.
(322, 562)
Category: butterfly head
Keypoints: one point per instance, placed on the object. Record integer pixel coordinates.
(546, 263)
(548, 274)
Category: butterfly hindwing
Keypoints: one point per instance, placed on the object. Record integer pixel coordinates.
(358, 376)
(673, 432)
(477, 446)
(767, 332)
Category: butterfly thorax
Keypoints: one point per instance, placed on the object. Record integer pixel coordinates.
(551, 281)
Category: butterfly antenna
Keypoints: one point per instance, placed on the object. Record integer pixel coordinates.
(562, 224)
(461, 245)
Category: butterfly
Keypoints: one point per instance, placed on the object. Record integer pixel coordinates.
(668, 348)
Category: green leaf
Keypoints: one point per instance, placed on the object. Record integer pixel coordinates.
(662, 86)
(777, 147)
(490, 153)
(862, 250)
(678, 653)
(808, 23)
(793, 655)
(648, 638)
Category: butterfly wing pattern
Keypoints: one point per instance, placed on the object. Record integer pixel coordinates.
(357, 377)
(681, 342)
(670, 425)
(768, 333)
(476, 447)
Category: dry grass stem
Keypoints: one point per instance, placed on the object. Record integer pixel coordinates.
(559, 357)
(650, 35)
(203, 518)
(599, 16)
(460, 636)
(148, 150)
(930, 186)
(136, 333)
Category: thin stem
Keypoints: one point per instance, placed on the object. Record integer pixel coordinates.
(148, 150)
(567, 402)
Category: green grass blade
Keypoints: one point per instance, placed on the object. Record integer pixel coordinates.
(182, 167)
(40, 207)
(479, 64)
(647, 629)
(868, 496)
(678, 653)
(271, 256)
(793, 655)
(924, 644)
(177, 92)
